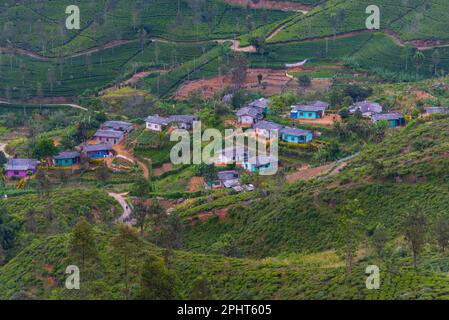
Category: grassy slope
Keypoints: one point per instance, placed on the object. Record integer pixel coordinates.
(410, 19)
(39, 270)
(303, 218)
(104, 21)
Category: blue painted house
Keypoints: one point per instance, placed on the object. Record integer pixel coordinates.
(259, 163)
(309, 112)
(295, 135)
(395, 119)
(98, 151)
(66, 159)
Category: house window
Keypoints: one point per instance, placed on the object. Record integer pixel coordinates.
(310, 114)
(16, 173)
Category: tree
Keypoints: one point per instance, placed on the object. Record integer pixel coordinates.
(102, 173)
(82, 248)
(259, 78)
(208, 172)
(442, 232)
(8, 230)
(304, 81)
(170, 232)
(43, 184)
(126, 244)
(30, 221)
(418, 60)
(436, 60)
(379, 239)
(139, 213)
(44, 148)
(201, 289)
(414, 228)
(3, 159)
(239, 67)
(259, 43)
(351, 231)
(157, 282)
(141, 188)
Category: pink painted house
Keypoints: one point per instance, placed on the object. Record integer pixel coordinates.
(20, 168)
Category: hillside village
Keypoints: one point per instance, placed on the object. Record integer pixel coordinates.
(91, 120)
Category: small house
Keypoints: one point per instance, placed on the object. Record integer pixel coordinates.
(123, 126)
(249, 115)
(264, 128)
(227, 179)
(66, 159)
(259, 163)
(109, 136)
(367, 108)
(436, 110)
(182, 121)
(295, 135)
(156, 123)
(21, 168)
(260, 104)
(97, 151)
(233, 155)
(308, 112)
(395, 119)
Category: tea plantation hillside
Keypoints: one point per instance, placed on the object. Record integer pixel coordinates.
(406, 171)
(411, 20)
(106, 21)
(39, 272)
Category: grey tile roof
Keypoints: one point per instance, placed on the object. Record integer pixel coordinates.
(118, 125)
(21, 164)
(261, 103)
(308, 108)
(171, 119)
(97, 147)
(434, 110)
(251, 112)
(366, 106)
(321, 104)
(67, 155)
(109, 134)
(182, 118)
(268, 125)
(387, 116)
(158, 120)
(228, 175)
(294, 132)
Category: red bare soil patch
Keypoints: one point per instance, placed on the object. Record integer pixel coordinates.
(195, 184)
(221, 214)
(270, 4)
(165, 167)
(274, 81)
(306, 173)
(327, 120)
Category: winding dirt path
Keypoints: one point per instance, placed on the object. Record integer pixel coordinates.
(272, 5)
(120, 149)
(126, 215)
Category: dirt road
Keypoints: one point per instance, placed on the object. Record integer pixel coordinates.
(126, 215)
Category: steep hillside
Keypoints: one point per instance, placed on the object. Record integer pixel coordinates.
(411, 20)
(107, 21)
(302, 217)
(39, 272)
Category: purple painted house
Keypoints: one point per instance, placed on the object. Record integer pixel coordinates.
(21, 167)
